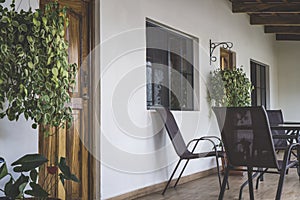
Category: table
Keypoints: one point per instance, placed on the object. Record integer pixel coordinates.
(292, 131)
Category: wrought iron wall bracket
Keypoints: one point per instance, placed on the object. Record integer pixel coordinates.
(214, 45)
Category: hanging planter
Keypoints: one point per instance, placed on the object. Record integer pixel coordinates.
(35, 75)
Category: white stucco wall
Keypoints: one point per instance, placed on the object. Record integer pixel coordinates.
(134, 153)
(288, 76)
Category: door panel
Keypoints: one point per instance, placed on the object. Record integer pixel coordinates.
(74, 142)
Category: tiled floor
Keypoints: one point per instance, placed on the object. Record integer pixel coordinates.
(207, 188)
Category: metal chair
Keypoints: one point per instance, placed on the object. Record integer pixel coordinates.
(276, 117)
(182, 149)
(248, 142)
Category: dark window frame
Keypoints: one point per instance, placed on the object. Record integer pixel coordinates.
(171, 56)
(260, 81)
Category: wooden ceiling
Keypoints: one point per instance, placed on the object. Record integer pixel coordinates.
(280, 17)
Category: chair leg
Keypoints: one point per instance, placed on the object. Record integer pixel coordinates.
(227, 185)
(246, 183)
(250, 182)
(241, 189)
(260, 177)
(225, 166)
(181, 172)
(218, 170)
(224, 183)
(298, 158)
(280, 184)
(169, 181)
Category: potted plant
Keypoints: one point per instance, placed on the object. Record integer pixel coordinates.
(230, 88)
(27, 166)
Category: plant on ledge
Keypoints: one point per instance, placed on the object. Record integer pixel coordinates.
(27, 167)
(35, 76)
(230, 87)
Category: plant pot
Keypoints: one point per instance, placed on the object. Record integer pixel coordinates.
(231, 173)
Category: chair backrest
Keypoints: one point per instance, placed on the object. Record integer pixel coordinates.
(275, 118)
(246, 136)
(173, 130)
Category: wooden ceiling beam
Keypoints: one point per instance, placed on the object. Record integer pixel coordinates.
(282, 29)
(241, 7)
(288, 37)
(282, 19)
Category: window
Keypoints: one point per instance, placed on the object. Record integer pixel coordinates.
(259, 79)
(227, 59)
(169, 68)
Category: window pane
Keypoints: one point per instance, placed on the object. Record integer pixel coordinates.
(170, 70)
(258, 80)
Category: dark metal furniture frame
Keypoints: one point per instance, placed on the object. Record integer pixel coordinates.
(248, 142)
(283, 133)
(182, 149)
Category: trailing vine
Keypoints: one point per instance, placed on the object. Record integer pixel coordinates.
(35, 75)
(230, 87)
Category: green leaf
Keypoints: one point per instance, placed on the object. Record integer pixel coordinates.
(29, 39)
(65, 171)
(36, 191)
(34, 126)
(26, 115)
(21, 188)
(23, 28)
(44, 19)
(29, 162)
(55, 72)
(36, 22)
(3, 171)
(8, 187)
(13, 190)
(15, 23)
(33, 175)
(74, 178)
(62, 178)
(30, 65)
(4, 19)
(3, 48)
(49, 60)
(11, 117)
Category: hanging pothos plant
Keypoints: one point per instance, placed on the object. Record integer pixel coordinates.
(35, 75)
(230, 87)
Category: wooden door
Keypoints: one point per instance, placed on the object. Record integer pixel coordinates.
(74, 143)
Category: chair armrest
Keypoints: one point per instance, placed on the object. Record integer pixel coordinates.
(206, 138)
(288, 151)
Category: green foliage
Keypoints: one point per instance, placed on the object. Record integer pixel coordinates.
(29, 162)
(35, 76)
(15, 189)
(230, 88)
(66, 172)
